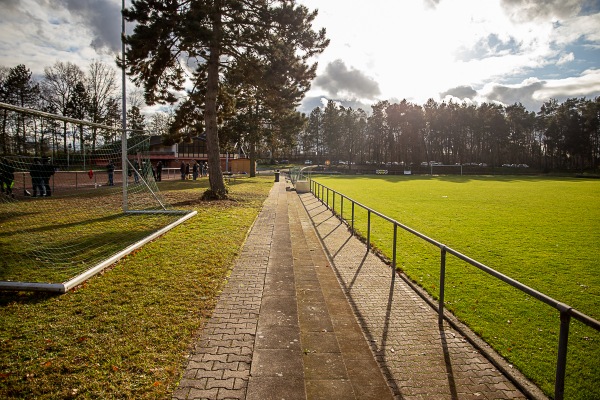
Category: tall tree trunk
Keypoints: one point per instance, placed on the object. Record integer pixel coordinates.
(217, 185)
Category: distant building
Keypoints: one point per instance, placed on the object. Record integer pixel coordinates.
(172, 155)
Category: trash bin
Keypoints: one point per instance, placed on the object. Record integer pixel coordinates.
(277, 176)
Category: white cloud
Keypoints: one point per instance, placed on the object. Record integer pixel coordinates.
(37, 33)
(586, 84)
(532, 92)
(527, 10)
(101, 18)
(460, 92)
(565, 59)
(572, 29)
(524, 93)
(339, 79)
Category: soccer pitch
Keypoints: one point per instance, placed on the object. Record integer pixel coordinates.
(541, 231)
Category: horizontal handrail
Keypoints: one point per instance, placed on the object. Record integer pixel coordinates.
(566, 311)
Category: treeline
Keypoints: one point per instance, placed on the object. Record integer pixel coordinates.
(560, 136)
(65, 89)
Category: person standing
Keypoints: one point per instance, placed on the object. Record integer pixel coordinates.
(187, 170)
(110, 168)
(195, 170)
(136, 174)
(146, 170)
(159, 167)
(47, 171)
(182, 170)
(37, 180)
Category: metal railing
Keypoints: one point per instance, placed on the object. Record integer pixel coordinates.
(322, 193)
(299, 173)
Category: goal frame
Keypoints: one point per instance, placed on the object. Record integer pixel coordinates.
(94, 270)
(431, 166)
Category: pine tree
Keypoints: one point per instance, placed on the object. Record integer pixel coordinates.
(213, 35)
(136, 121)
(21, 90)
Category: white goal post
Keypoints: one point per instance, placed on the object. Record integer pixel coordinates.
(69, 215)
(458, 166)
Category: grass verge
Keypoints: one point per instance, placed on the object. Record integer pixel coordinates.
(127, 332)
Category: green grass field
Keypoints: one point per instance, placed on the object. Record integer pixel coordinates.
(127, 333)
(543, 232)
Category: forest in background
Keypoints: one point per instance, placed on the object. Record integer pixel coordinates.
(560, 136)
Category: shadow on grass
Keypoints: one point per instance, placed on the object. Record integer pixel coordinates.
(53, 226)
(78, 253)
(8, 297)
(6, 216)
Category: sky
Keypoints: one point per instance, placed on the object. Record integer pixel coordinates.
(505, 51)
(473, 51)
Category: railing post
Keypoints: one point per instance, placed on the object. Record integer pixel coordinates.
(394, 247)
(342, 206)
(353, 216)
(442, 284)
(333, 206)
(368, 229)
(561, 363)
(327, 197)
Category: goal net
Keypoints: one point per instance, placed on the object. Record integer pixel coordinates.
(71, 204)
(445, 169)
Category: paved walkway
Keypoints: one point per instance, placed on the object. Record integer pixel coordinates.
(291, 324)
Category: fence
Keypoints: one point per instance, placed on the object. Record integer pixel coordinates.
(64, 181)
(323, 192)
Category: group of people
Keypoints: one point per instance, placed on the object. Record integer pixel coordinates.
(41, 172)
(197, 170)
(136, 171)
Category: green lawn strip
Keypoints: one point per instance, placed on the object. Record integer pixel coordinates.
(126, 333)
(543, 232)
